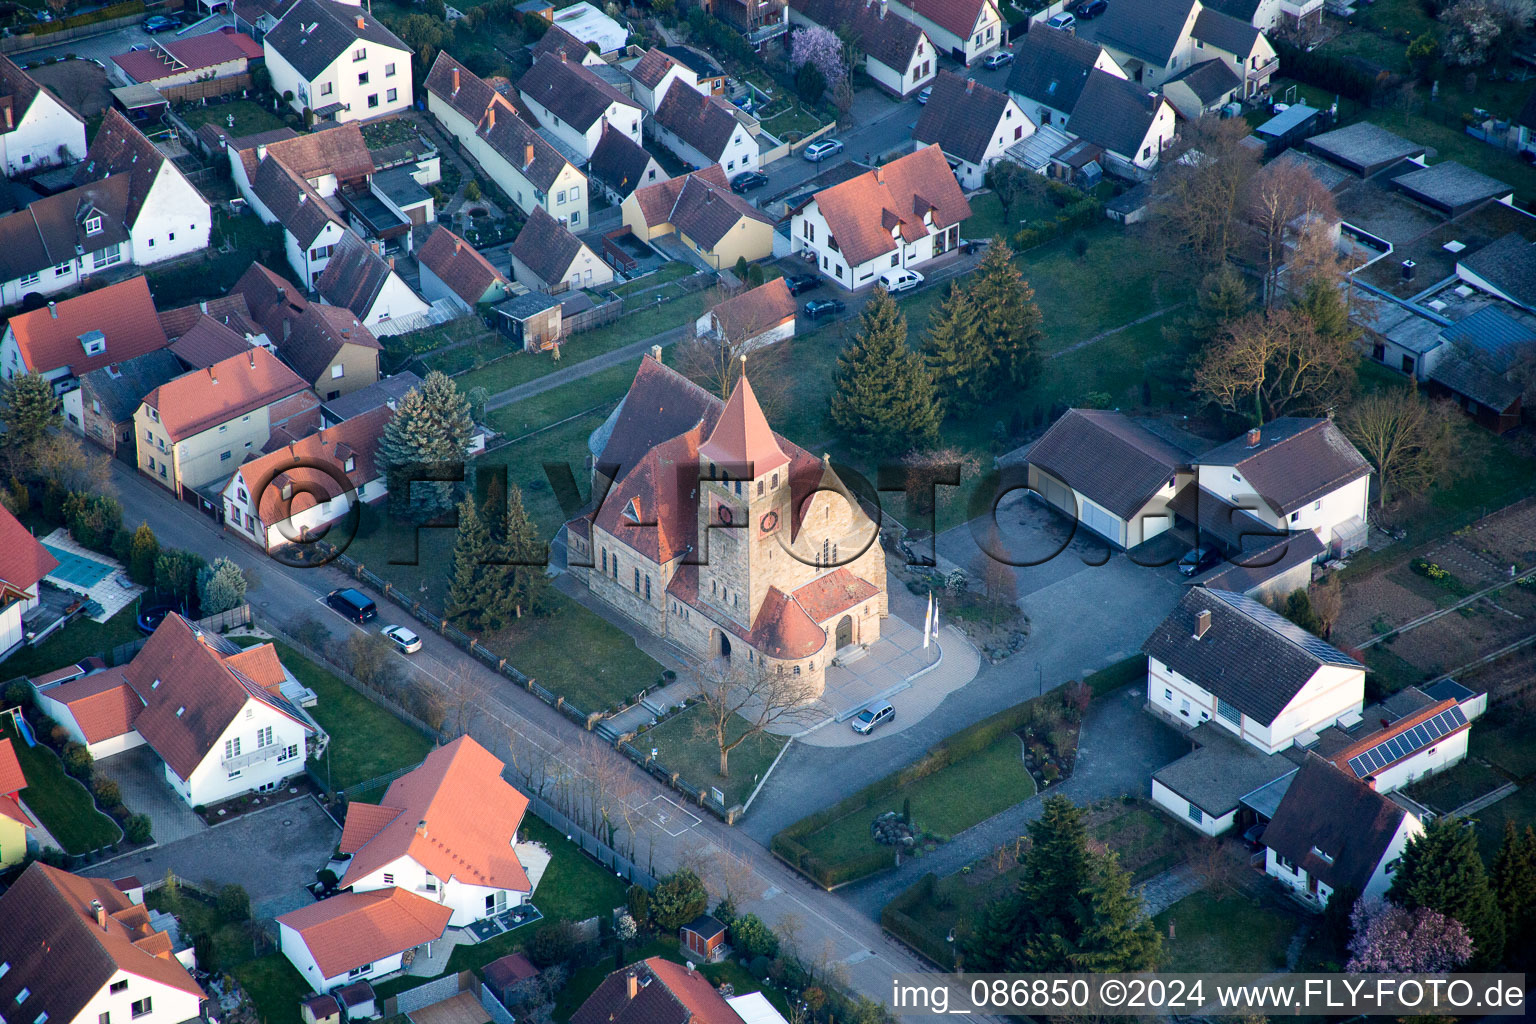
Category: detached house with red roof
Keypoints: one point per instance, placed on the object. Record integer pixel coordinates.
(79, 951)
(14, 820)
(902, 214)
(451, 266)
(64, 341)
(965, 29)
(658, 991)
(23, 564)
(37, 129)
(723, 537)
(706, 215)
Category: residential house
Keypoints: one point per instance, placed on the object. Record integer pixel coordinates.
(710, 219)
(703, 130)
(1050, 70)
(312, 229)
(592, 27)
(258, 17)
(339, 61)
(1108, 474)
(386, 393)
(1334, 832)
(228, 310)
(546, 257)
(708, 76)
(974, 125)
(658, 991)
(328, 160)
(760, 21)
(447, 830)
(903, 214)
(750, 319)
(331, 350)
(359, 279)
(199, 58)
(1227, 659)
(301, 488)
(93, 705)
(23, 564)
(14, 819)
(619, 165)
(897, 53)
(65, 340)
(358, 936)
(1203, 88)
(77, 949)
(571, 102)
(1411, 734)
(130, 206)
(1294, 474)
(558, 41)
(451, 266)
(1158, 39)
(1132, 126)
(110, 395)
(965, 29)
(1299, 17)
(511, 152)
(655, 72)
(37, 129)
(198, 428)
(208, 341)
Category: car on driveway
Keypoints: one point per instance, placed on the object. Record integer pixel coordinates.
(872, 717)
(816, 152)
(160, 23)
(1062, 21)
(900, 280)
(744, 183)
(1197, 560)
(797, 283)
(1090, 9)
(404, 639)
(1002, 58)
(816, 309)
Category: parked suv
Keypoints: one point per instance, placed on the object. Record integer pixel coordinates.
(1062, 21)
(160, 23)
(353, 604)
(872, 717)
(816, 152)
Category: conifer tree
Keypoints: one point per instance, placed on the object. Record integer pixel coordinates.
(1324, 307)
(1008, 321)
(883, 400)
(1115, 932)
(952, 352)
(1443, 871)
(514, 581)
(1514, 883)
(471, 550)
(429, 433)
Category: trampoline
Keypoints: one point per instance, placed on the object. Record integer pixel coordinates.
(77, 570)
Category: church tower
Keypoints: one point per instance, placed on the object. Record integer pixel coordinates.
(744, 508)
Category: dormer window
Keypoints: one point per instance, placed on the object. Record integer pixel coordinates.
(93, 224)
(1326, 858)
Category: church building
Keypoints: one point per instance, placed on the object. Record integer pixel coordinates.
(714, 532)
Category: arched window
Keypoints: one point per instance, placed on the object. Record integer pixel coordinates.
(605, 561)
(760, 488)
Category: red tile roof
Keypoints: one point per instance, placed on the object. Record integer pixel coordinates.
(863, 212)
(650, 508)
(12, 809)
(208, 342)
(459, 265)
(472, 815)
(180, 56)
(665, 993)
(356, 439)
(833, 594)
(1341, 759)
(23, 561)
(742, 441)
(230, 388)
(352, 929)
(11, 778)
(229, 310)
(744, 316)
(272, 298)
(958, 16)
(784, 630)
(103, 704)
(49, 338)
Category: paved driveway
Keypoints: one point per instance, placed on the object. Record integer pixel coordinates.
(272, 852)
(140, 774)
(107, 45)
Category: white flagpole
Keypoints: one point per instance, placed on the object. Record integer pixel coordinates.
(928, 621)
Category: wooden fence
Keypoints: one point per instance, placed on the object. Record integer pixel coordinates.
(206, 88)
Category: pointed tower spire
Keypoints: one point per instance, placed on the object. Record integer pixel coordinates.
(742, 437)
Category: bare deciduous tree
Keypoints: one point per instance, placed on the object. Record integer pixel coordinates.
(738, 702)
(1327, 604)
(460, 696)
(1275, 364)
(530, 762)
(715, 363)
(1406, 438)
(1282, 199)
(1198, 195)
(998, 583)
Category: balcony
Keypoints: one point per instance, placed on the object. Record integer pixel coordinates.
(261, 755)
(1299, 9)
(1263, 71)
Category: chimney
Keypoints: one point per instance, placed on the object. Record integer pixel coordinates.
(391, 263)
(882, 10)
(632, 984)
(970, 86)
(100, 912)
(211, 376)
(360, 23)
(528, 154)
(421, 828)
(53, 310)
(203, 306)
(879, 175)
(303, 198)
(282, 294)
(656, 352)
(562, 56)
(1202, 623)
(458, 246)
(1254, 437)
(1371, 782)
(1408, 266)
(455, 81)
(251, 355)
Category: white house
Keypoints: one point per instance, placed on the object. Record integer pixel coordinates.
(655, 72)
(1332, 831)
(1295, 474)
(572, 103)
(447, 830)
(361, 280)
(130, 207)
(1050, 69)
(1131, 125)
(619, 166)
(1227, 659)
(1155, 40)
(903, 214)
(964, 29)
(94, 706)
(283, 497)
(1303, 16)
(703, 130)
(339, 61)
(327, 160)
(546, 257)
(510, 151)
(23, 564)
(898, 55)
(311, 228)
(974, 125)
(1411, 734)
(80, 951)
(37, 129)
(359, 936)
(63, 341)
(756, 317)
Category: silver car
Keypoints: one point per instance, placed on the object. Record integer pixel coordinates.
(872, 717)
(819, 151)
(408, 642)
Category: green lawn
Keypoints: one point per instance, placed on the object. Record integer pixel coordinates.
(1445, 791)
(947, 802)
(231, 939)
(1505, 740)
(75, 642)
(64, 806)
(275, 987)
(213, 274)
(668, 272)
(601, 390)
(1235, 934)
(578, 655)
(250, 118)
(1147, 840)
(696, 756)
(366, 740)
(1519, 807)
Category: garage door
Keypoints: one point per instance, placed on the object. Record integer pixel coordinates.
(1057, 493)
(1100, 522)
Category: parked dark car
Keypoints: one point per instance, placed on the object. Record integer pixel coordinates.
(797, 283)
(1199, 559)
(1090, 9)
(160, 23)
(818, 308)
(353, 604)
(744, 183)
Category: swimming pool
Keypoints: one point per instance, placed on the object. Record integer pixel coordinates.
(77, 570)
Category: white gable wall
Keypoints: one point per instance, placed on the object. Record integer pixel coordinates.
(212, 781)
(1299, 881)
(298, 954)
(1332, 691)
(61, 713)
(174, 220)
(167, 1005)
(623, 116)
(342, 79)
(34, 142)
(466, 900)
(395, 300)
(1185, 811)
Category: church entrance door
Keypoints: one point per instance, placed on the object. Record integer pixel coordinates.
(844, 631)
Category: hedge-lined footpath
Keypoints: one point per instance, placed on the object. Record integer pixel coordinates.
(790, 844)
